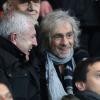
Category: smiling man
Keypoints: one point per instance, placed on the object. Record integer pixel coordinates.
(59, 36)
(18, 37)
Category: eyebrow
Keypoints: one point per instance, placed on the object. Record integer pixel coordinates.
(23, 1)
(98, 71)
(59, 33)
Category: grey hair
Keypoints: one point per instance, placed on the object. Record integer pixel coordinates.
(49, 23)
(14, 22)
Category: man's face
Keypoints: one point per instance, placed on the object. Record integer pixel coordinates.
(62, 40)
(93, 78)
(32, 8)
(27, 40)
(5, 93)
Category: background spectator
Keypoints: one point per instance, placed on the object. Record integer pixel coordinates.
(87, 79)
(69, 97)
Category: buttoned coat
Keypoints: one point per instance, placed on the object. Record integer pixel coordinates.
(20, 75)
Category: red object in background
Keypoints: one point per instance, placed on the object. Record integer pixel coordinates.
(1, 12)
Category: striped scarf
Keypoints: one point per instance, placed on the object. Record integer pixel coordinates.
(68, 76)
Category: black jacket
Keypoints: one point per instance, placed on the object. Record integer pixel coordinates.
(88, 95)
(87, 11)
(56, 4)
(20, 75)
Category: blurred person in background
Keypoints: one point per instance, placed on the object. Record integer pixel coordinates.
(32, 7)
(69, 97)
(86, 79)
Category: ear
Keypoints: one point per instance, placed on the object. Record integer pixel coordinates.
(81, 86)
(13, 38)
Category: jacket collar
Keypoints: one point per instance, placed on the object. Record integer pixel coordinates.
(88, 95)
(11, 48)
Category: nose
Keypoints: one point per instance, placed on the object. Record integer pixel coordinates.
(64, 40)
(34, 42)
(30, 7)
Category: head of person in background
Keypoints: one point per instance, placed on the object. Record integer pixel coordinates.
(59, 36)
(1, 6)
(69, 97)
(18, 28)
(32, 7)
(87, 79)
(5, 93)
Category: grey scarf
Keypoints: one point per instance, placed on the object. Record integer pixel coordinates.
(57, 60)
(55, 88)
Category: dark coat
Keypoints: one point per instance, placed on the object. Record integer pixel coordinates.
(43, 81)
(87, 95)
(20, 75)
(56, 4)
(87, 11)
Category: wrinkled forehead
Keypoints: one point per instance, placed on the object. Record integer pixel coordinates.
(63, 27)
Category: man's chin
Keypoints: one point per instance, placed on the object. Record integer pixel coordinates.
(61, 55)
(64, 54)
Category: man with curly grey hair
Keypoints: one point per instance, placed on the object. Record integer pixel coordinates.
(59, 37)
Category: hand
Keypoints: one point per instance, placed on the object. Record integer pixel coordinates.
(45, 8)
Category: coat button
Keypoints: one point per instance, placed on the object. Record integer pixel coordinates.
(10, 75)
(25, 74)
